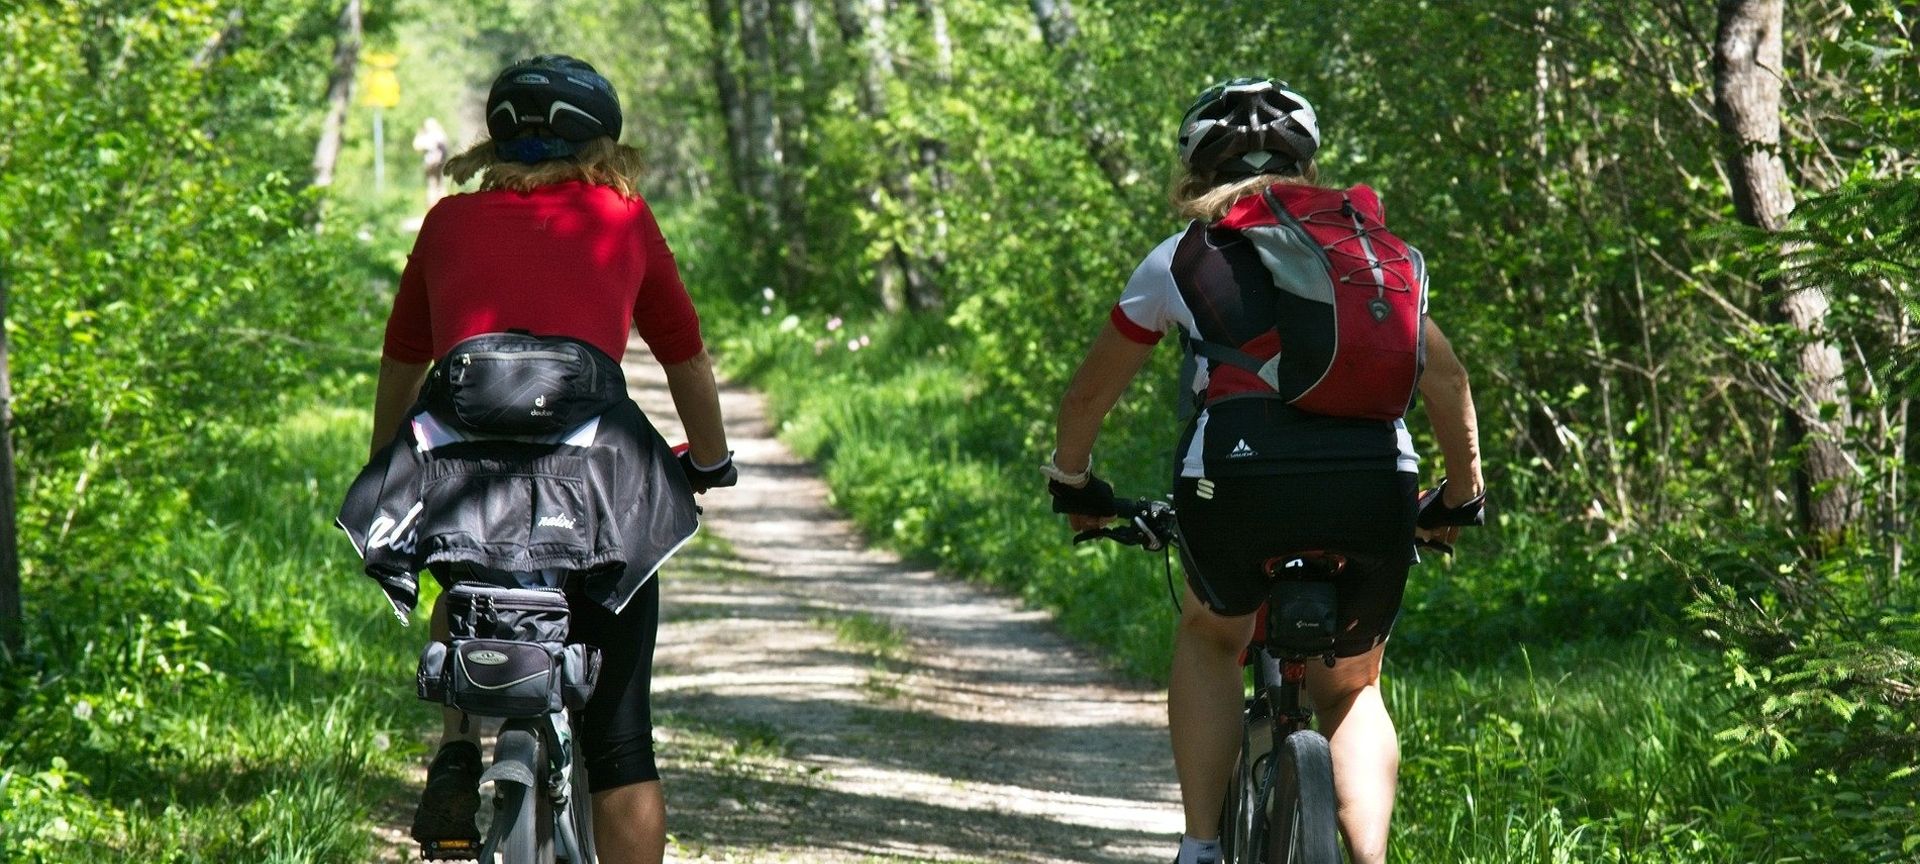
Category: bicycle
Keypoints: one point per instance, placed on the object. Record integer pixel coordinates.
(1280, 806)
(542, 813)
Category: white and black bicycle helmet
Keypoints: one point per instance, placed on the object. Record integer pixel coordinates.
(1248, 126)
(538, 109)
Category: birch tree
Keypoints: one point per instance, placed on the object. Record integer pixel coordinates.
(346, 57)
(1747, 64)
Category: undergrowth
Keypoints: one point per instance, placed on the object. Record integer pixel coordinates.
(235, 692)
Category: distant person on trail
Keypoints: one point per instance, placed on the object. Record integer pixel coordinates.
(431, 143)
(1278, 457)
(556, 244)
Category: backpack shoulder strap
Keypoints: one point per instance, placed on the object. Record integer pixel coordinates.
(1226, 354)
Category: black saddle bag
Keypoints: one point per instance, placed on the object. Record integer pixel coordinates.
(507, 654)
(517, 383)
(1302, 618)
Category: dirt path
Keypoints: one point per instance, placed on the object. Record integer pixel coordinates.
(820, 701)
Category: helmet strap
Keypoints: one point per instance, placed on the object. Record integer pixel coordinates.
(533, 149)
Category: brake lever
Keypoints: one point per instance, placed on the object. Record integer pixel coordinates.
(1435, 545)
(1149, 539)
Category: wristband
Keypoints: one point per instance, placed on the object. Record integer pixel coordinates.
(1054, 473)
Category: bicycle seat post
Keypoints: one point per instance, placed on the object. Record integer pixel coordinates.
(1301, 610)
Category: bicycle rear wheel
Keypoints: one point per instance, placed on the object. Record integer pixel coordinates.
(1304, 825)
(1243, 821)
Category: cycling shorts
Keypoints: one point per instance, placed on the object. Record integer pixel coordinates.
(616, 729)
(1228, 535)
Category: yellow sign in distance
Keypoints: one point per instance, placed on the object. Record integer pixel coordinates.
(381, 87)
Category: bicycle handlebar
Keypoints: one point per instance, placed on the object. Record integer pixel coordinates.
(1151, 525)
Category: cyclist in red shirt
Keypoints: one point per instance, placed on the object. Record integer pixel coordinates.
(1260, 477)
(558, 242)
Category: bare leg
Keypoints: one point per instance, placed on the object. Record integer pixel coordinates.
(630, 824)
(1204, 700)
(1366, 750)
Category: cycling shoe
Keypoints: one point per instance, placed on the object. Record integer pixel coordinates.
(444, 824)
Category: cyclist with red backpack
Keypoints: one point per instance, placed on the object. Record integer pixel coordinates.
(1304, 323)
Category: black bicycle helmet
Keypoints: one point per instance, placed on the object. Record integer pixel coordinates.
(1248, 126)
(539, 108)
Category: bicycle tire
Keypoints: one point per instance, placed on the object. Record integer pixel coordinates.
(1304, 823)
(579, 814)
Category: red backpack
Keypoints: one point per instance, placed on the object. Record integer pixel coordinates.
(1347, 338)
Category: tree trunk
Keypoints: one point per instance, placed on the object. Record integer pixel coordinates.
(10, 617)
(727, 90)
(933, 161)
(797, 59)
(346, 56)
(1746, 85)
(863, 27)
(762, 146)
(1062, 37)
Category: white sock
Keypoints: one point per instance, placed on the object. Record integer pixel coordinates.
(1199, 851)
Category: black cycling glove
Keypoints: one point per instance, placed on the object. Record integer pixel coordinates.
(1093, 499)
(1434, 513)
(702, 479)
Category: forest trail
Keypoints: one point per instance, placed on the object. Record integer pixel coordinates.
(816, 700)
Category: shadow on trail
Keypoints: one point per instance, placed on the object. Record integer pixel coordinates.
(908, 737)
(729, 806)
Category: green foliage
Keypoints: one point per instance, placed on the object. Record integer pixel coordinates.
(219, 695)
(163, 265)
(1824, 689)
(169, 284)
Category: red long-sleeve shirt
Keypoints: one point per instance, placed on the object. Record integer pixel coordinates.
(571, 259)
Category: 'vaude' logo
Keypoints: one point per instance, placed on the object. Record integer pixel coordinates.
(557, 521)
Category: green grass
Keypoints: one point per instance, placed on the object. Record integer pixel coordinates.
(1583, 752)
(235, 692)
(869, 634)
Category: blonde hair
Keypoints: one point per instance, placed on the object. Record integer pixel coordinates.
(601, 161)
(1195, 197)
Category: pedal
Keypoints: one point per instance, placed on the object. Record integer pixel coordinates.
(461, 849)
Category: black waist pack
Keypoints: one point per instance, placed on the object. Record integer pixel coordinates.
(507, 654)
(516, 383)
